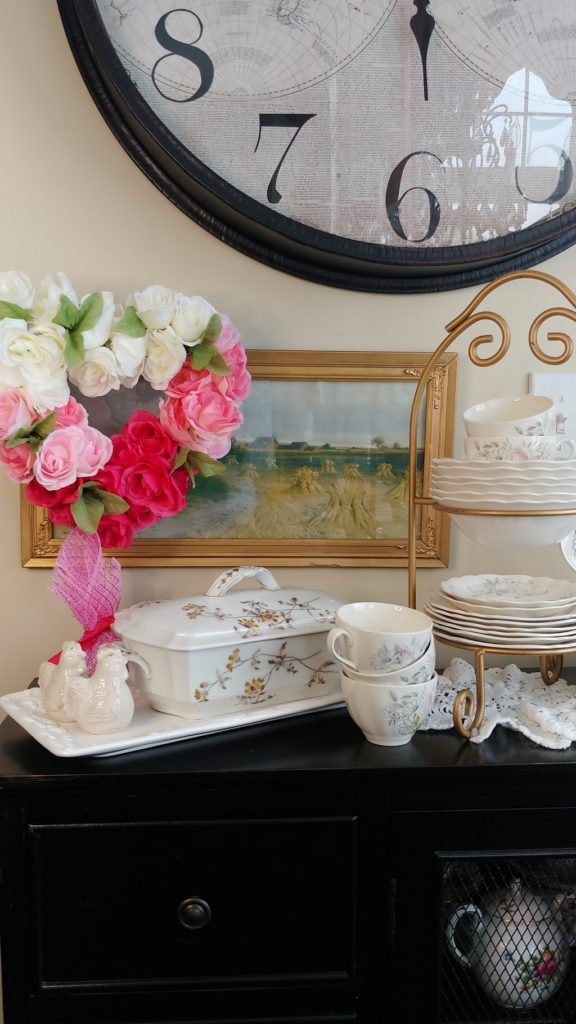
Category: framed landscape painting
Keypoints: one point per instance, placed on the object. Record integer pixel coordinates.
(316, 476)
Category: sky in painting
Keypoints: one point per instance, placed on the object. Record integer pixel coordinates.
(338, 412)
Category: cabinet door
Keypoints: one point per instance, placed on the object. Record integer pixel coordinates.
(484, 909)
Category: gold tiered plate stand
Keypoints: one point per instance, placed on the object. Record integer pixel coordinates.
(466, 704)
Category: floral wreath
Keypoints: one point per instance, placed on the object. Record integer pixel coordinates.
(114, 486)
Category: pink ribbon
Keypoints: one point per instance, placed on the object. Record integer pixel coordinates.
(91, 587)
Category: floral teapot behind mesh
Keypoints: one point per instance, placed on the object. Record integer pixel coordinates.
(519, 947)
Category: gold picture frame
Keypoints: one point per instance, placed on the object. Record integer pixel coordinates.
(330, 394)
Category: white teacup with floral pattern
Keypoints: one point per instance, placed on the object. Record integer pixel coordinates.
(418, 672)
(521, 448)
(517, 414)
(388, 715)
(371, 636)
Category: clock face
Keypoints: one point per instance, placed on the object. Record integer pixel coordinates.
(373, 144)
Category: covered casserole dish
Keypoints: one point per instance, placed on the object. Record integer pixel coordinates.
(218, 653)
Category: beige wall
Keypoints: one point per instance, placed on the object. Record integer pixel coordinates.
(72, 200)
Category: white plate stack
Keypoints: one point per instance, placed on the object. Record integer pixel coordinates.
(506, 612)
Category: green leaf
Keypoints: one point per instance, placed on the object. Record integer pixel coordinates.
(90, 312)
(179, 459)
(213, 329)
(10, 309)
(201, 356)
(113, 504)
(87, 511)
(19, 437)
(68, 313)
(218, 366)
(45, 426)
(204, 464)
(74, 350)
(131, 324)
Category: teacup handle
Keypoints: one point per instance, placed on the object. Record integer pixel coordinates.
(468, 910)
(566, 444)
(332, 638)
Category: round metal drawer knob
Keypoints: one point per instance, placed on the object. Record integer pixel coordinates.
(194, 913)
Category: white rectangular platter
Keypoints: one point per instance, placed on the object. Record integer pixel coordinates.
(149, 728)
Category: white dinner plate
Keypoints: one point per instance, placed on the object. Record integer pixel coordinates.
(526, 615)
(444, 635)
(532, 637)
(499, 589)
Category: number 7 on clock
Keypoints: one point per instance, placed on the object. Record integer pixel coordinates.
(296, 121)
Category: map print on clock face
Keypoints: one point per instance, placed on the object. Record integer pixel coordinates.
(377, 144)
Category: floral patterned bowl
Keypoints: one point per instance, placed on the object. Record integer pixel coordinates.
(517, 414)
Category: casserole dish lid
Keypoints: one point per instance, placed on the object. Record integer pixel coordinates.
(216, 619)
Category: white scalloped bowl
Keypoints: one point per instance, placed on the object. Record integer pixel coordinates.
(515, 531)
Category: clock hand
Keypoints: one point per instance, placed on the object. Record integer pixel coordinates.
(422, 25)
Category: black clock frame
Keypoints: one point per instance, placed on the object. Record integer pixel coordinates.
(265, 235)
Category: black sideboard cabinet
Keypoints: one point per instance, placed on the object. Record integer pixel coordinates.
(288, 873)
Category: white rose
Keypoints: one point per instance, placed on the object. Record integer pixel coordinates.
(16, 287)
(46, 298)
(191, 317)
(54, 332)
(130, 354)
(99, 334)
(27, 355)
(10, 371)
(98, 374)
(165, 356)
(49, 394)
(155, 306)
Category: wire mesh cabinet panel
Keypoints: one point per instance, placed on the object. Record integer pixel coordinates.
(485, 916)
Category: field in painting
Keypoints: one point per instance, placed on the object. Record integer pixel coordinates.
(297, 491)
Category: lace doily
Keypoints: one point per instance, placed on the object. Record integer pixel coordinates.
(513, 698)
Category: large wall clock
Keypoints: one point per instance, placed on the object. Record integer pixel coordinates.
(379, 145)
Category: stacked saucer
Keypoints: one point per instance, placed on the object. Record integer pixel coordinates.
(505, 611)
(518, 503)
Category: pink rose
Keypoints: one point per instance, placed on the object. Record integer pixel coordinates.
(110, 477)
(15, 413)
(18, 462)
(56, 464)
(57, 502)
(145, 432)
(149, 485)
(174, 422)
(115, 531)
(71, 415)
(185, 381)
(238, 380)
(203, 420)
(228, 336)
(95, 453)
(211, 413)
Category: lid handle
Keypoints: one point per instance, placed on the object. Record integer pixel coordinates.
(231, 577)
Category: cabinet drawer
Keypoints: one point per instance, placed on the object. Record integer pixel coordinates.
(248, 901)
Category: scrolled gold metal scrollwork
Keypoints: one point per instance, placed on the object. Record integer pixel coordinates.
(566, 341)
(551, 667)
(466, 705)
